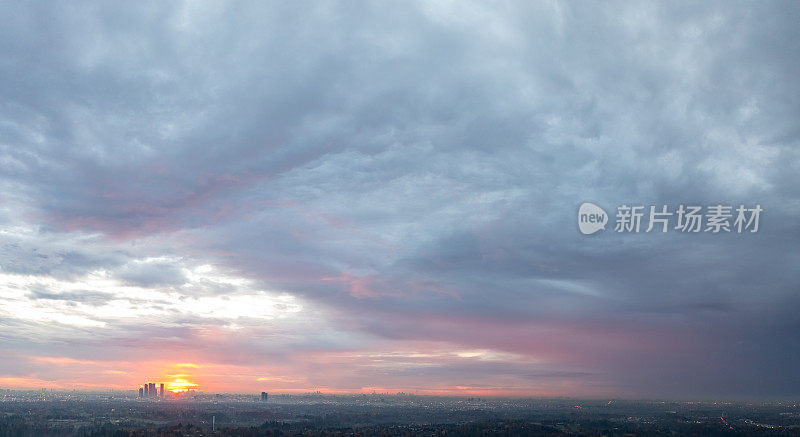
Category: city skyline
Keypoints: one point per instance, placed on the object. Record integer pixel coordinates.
(384, 197)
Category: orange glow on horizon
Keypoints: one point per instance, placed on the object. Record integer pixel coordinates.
(189, 374)
(180, 384)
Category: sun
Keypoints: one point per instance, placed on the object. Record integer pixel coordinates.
(180, 384)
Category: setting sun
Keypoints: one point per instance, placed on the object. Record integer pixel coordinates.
(180, 384)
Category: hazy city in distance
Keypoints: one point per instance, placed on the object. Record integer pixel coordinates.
(113, 413)
(410, 218)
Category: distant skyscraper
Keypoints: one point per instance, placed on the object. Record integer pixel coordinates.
(264, 396)
(153, 392)
(161, 392)
(146, 390)
(141, 392)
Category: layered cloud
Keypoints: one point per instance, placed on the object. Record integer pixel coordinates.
(354, 197)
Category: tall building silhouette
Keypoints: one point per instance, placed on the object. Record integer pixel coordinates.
(151, 390)
(264, 396)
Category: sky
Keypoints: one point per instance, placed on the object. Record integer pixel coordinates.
(382, 196)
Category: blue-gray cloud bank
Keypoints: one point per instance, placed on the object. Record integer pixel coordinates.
(384, 194)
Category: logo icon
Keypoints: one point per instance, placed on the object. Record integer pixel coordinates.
(591, 218)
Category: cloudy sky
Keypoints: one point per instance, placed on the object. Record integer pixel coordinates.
(349, 197)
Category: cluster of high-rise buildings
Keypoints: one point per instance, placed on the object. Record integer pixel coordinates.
(149, 390)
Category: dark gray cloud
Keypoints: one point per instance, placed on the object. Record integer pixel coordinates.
(64, 256)
(95, 298)
(151, 274)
